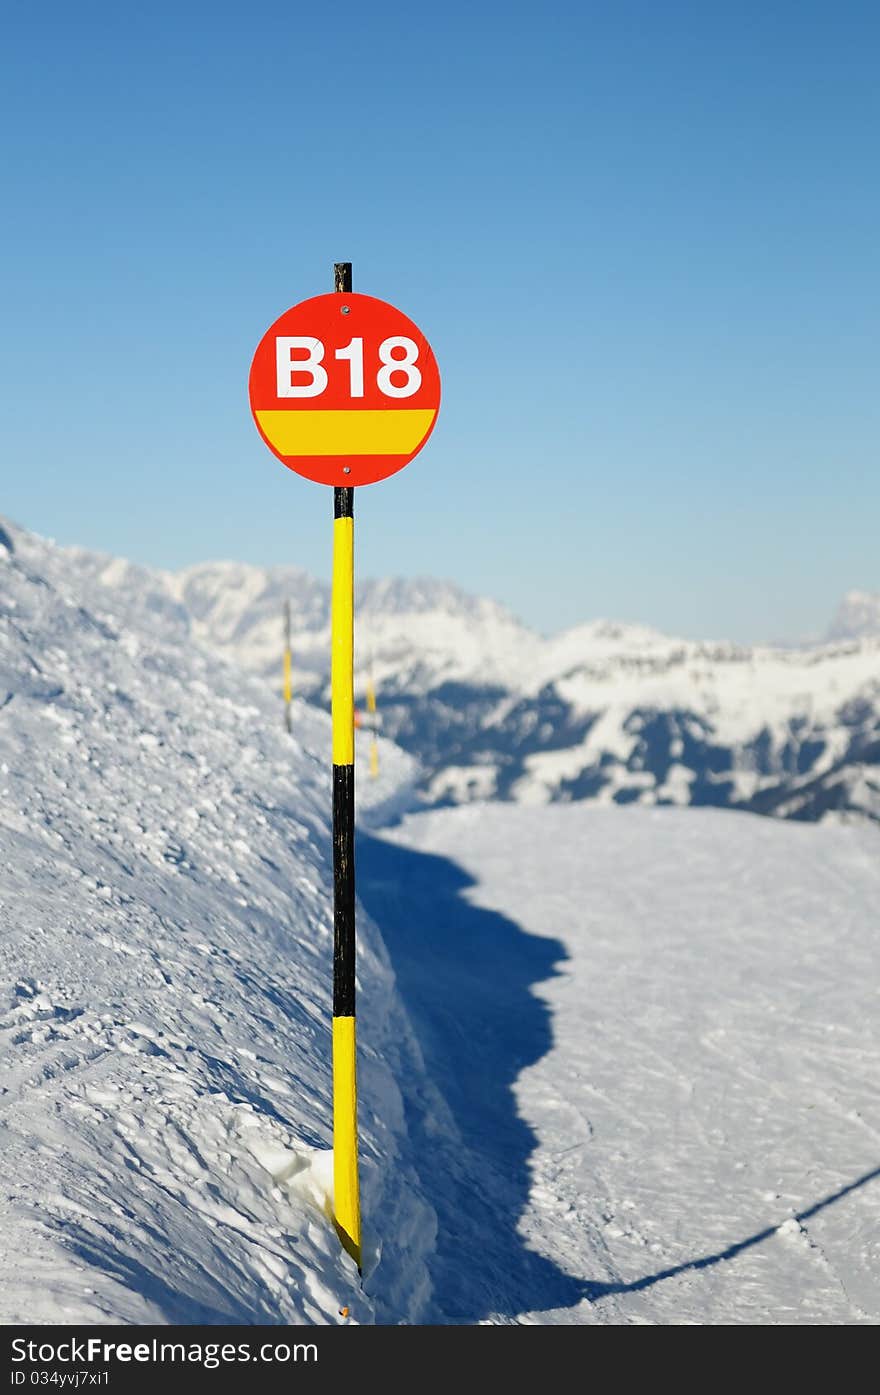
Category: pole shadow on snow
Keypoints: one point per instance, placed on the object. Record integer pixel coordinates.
(706, 1261)
(466, 975)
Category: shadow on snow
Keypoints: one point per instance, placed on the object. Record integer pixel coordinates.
(466, 976)
(705, 1261)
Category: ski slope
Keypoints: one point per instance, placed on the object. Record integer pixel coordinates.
(657, 1034)
(618, 1065)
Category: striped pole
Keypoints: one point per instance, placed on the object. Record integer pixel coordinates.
(346, 1195)
(288, 694)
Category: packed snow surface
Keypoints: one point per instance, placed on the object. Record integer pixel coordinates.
(657, 1033)
(617, 1065)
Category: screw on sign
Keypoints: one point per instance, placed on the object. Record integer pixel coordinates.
(344, 390)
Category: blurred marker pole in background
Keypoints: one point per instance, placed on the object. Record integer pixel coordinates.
(374, 744)
(346, 1190)
(287, 687)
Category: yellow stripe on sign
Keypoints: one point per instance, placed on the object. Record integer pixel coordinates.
(396, 431)
(346, 1199)
(342, 642)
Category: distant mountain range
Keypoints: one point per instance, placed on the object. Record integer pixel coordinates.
(616, 713)
(609, 712)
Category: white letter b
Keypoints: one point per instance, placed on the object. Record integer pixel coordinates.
(286, 365)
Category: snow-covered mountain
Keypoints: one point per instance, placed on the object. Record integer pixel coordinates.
(607, 712)
(237, 609)
(411, 632)
(857, 615)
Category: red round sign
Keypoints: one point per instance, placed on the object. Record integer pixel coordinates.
(344, 389)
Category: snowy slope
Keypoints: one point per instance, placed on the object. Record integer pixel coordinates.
(657, 1031)
(607, 712)
(165, 963)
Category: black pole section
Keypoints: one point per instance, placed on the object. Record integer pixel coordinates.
(343, 499)
(343, 891)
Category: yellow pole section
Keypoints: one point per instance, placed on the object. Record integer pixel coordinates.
(342, 642)
(287, 684)
(346, 1191)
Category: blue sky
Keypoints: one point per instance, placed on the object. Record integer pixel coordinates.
(641, 237)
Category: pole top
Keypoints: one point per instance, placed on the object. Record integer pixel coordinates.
(342, 276)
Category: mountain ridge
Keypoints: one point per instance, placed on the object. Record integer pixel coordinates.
(604, 710)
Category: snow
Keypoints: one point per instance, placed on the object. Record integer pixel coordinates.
(164, 983)
(616, 1065)
(238, 610)
(738, 693)
(461, 784)
(659, 1038)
